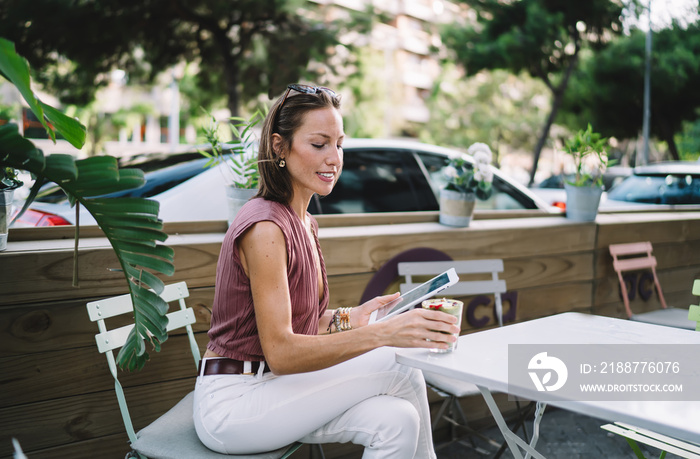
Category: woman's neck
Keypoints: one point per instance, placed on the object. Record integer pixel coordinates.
(300, 206)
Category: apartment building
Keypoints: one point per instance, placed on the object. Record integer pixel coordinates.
(407, 37)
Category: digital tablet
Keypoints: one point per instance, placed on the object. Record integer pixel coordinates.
(413, 297)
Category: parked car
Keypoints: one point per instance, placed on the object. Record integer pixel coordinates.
(378, 176)
(675, 183)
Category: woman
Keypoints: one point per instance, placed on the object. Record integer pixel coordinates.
(279, 366)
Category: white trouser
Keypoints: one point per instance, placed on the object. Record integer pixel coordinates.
(370, 400)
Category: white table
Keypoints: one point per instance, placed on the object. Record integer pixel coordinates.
(482, 358)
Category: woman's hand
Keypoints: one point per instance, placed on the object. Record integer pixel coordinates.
(359, 316)
(421, 328)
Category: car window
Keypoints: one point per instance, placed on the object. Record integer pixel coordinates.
(505, 196)
(149, 162)
(376, 180)
(669, 189)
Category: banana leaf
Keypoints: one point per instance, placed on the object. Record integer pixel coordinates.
(131, 225)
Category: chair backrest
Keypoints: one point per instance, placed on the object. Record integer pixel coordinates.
(110, 340)
(694, 311)
(634, 256)
(493, 286)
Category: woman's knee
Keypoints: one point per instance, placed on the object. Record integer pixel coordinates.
(397, 424)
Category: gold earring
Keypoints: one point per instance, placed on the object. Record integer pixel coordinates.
(282, 163)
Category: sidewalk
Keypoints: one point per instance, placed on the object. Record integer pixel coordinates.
(565, 435)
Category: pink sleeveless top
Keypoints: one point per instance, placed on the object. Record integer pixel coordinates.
(234, 332)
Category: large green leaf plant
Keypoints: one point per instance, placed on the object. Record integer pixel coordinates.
(131, 225)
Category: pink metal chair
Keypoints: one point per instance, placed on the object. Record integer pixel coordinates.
(637, 256)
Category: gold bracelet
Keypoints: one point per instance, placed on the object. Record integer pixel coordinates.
(344, 314)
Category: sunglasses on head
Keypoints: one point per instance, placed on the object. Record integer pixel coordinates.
(307, 89)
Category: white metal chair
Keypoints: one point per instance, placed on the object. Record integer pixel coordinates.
(451, 390)
(636, 256)
(172, 435)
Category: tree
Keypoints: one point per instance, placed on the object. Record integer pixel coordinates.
(495, 107)
(541, 37)
(259, 45)
(366, 96)
(608, 89)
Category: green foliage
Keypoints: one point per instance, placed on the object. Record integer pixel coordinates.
(130, 224)
(242, 160)
(608, 88)
(688, 141)
(496, 105)
(259, 45)
(366, 97)
(541, 37)
(588, 149)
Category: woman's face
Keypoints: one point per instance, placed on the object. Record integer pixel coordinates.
(316, 156)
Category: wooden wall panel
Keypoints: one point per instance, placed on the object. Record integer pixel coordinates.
(668, 256)
(40, 327)
(91, 415)
(540, 270)
(49, 376)
(356, 250)
(47, 276)
(675, 283)
(662, 227)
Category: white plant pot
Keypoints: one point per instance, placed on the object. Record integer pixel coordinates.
(456, 208)
(582, 202)
(5, 214)
(236, 197)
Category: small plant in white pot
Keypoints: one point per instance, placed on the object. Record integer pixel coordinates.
(589, 152)
(238, 159)
(466, 182)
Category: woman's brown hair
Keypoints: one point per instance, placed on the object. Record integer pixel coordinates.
(284, 118)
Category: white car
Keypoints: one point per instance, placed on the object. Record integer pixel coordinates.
(378, 176)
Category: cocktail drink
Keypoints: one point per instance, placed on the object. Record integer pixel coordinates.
(452, 307)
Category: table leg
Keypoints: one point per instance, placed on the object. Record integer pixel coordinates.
(539, 412)
(514, 441)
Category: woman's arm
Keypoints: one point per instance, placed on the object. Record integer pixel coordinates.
(264, 258)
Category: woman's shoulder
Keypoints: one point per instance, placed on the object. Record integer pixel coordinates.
(263, 209)
(260, 209)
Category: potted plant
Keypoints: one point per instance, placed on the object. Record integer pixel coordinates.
(131, 225)
(466, 182)
(589, 152)
(238, 159)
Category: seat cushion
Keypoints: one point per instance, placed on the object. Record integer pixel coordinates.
(450, 385)
(172, 436)
(670, 317)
